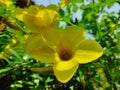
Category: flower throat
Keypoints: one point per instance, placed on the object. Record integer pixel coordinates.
(65, 53)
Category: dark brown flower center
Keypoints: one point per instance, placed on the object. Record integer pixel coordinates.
(65, 53)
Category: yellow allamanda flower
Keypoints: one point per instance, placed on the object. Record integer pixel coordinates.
(65, 49)
(6, 2)
(19, 12)
(36, 12)
(38, 18)
(19, 15)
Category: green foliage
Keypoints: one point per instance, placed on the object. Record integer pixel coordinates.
(104, 73)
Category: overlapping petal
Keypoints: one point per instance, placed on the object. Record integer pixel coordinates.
(88, 51)
(73, 35)
(43, 54)
(33, 41)
(33, 23)
(52, 37)
(37, 48)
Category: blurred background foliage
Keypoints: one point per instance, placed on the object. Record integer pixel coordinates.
(102, 25)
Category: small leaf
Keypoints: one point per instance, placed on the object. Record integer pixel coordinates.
(18, 85)
(61, 12)
(75, 8)
(19, 59)
(3, 70)
(42, 70)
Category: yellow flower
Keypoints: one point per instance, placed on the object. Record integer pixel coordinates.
(65, 2)
(6, 2)
(65, 49)
(38, 19)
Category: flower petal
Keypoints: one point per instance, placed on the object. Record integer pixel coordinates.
(37, 48)
(33, 9)
(33, 41)
(73, 35)
(88, 51)
(52, 36)
(32, 23)
(54, 17)
(65, 75)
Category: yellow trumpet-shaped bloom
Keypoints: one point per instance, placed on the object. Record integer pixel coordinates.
(65, 49)
(38, 19)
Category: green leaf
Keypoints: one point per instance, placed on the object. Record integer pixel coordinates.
(109, 2)
(80, 1)
(49, 80)
(61, 12)
(19, 59)
(3, 70)
(18, 85)
(89, 16)
(75, 8)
